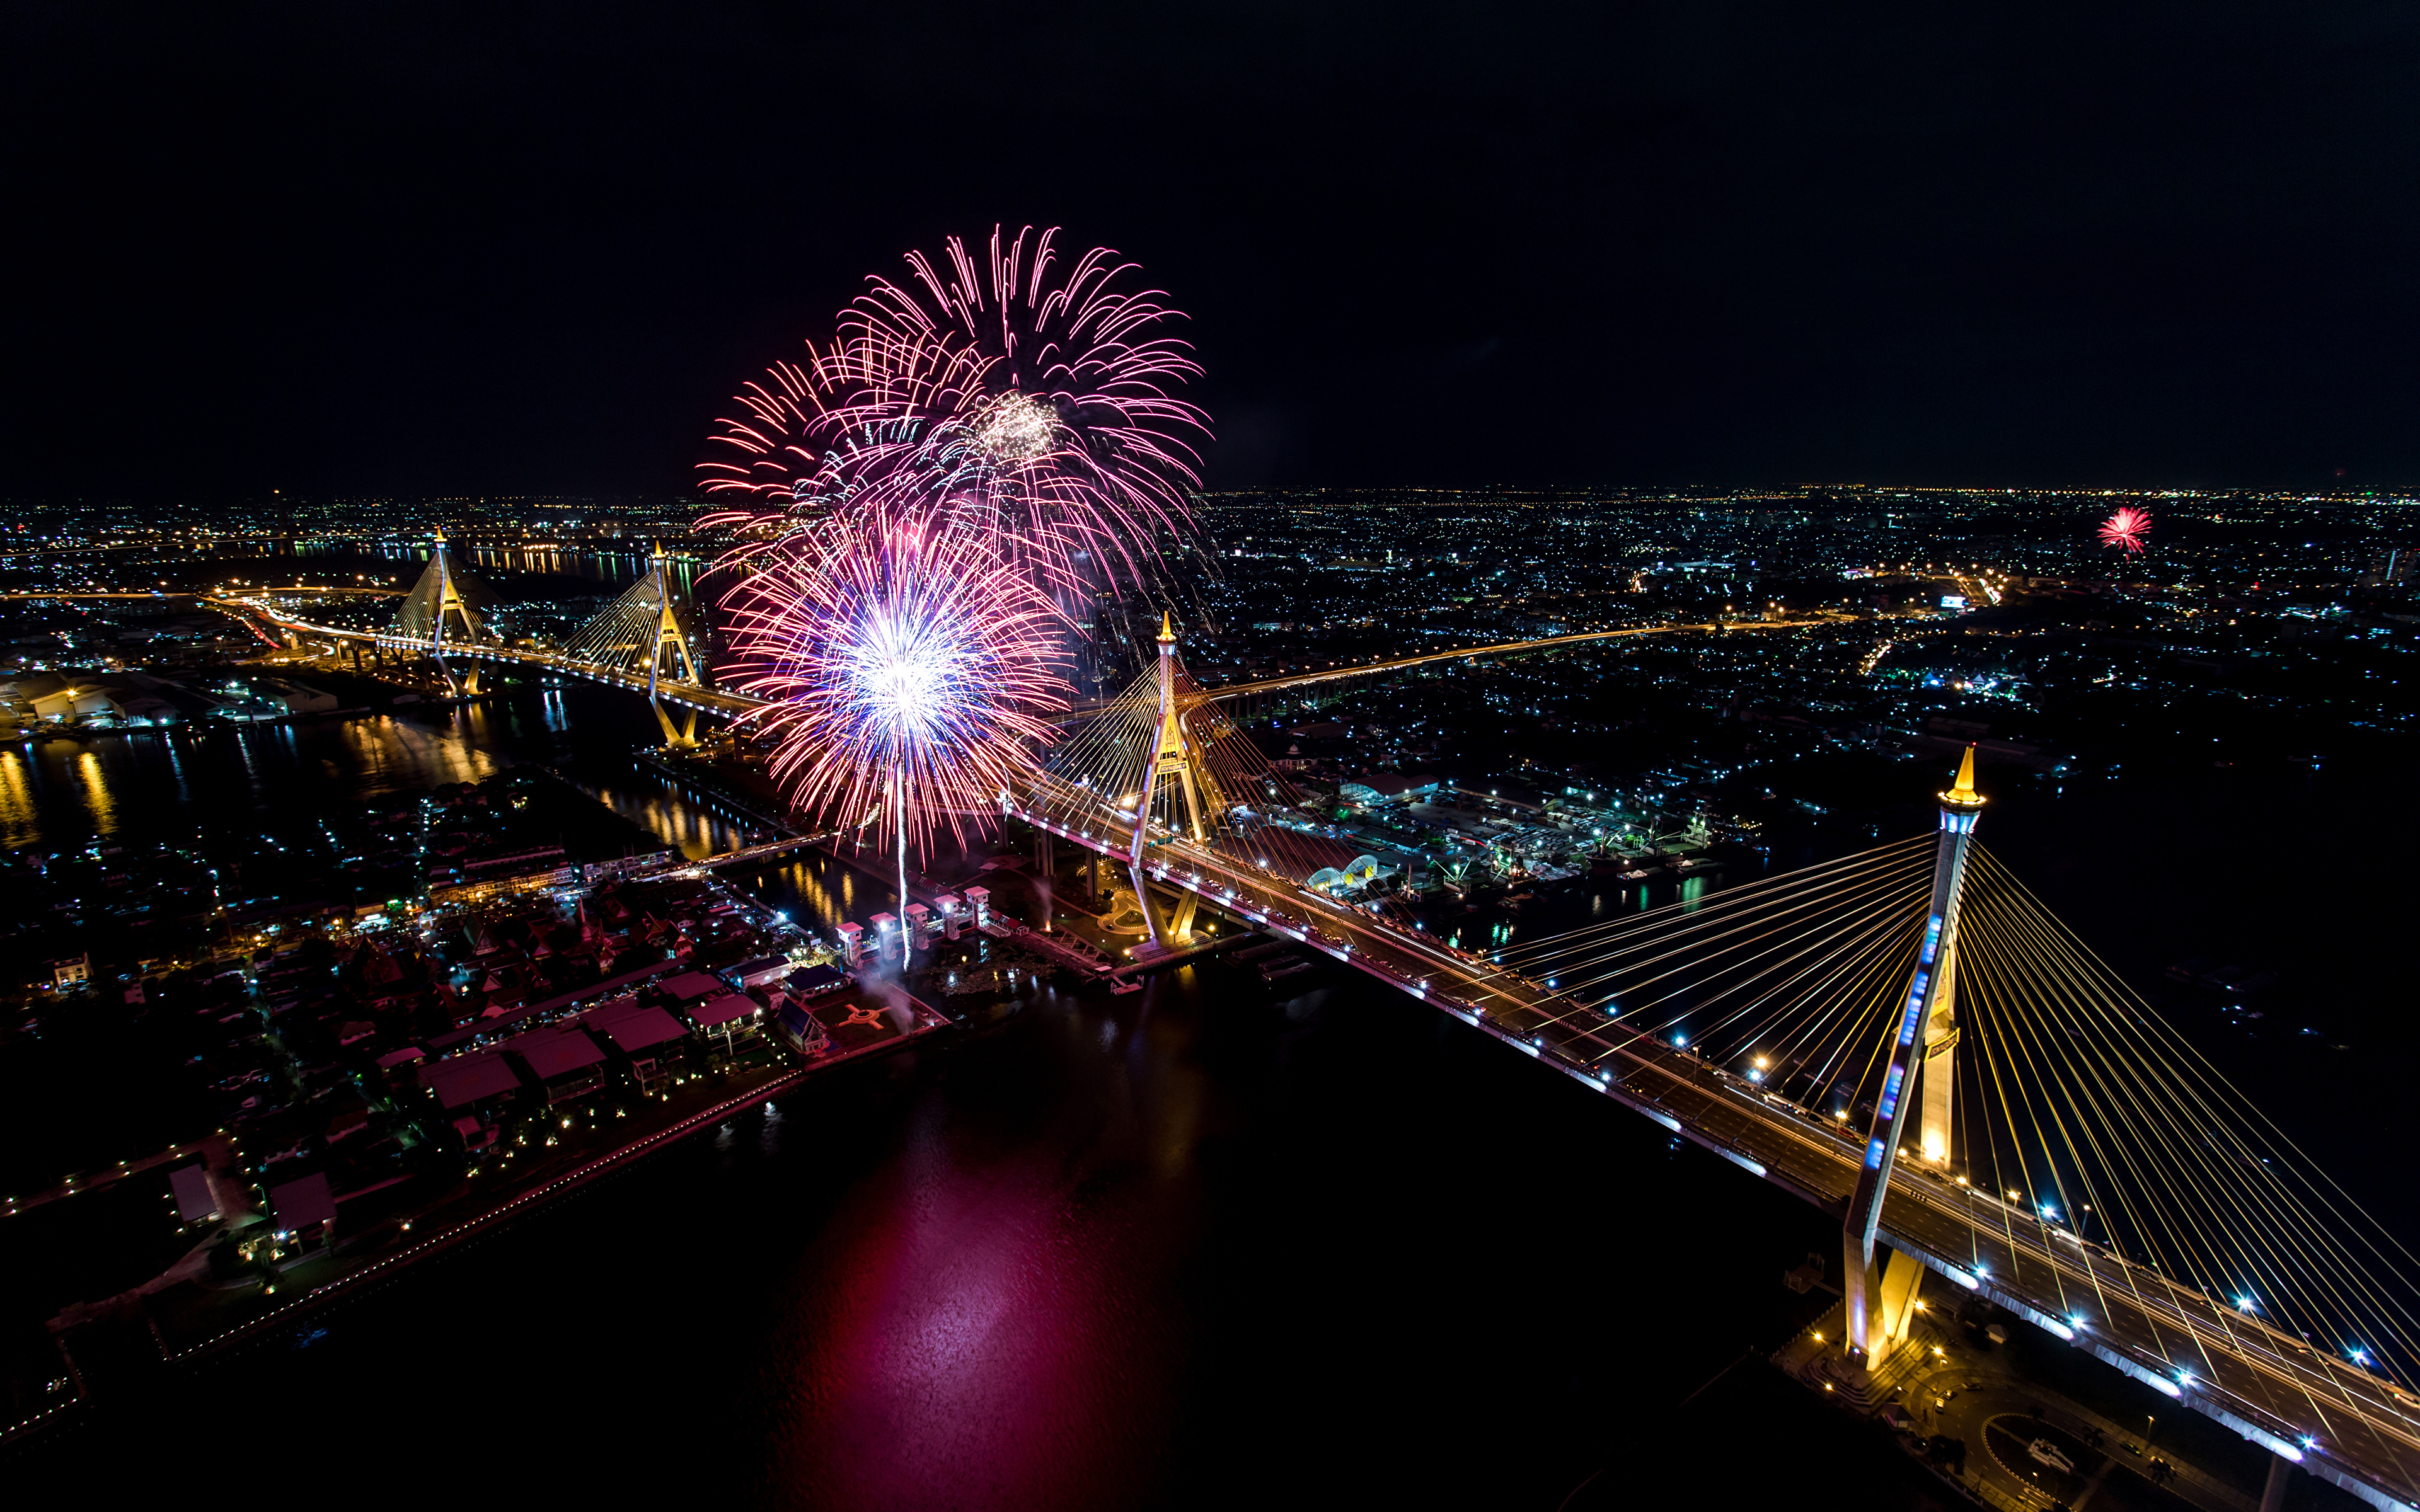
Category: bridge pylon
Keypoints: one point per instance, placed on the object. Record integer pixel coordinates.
(1939, 1079)
(1880, 1307)
(1174, 755)
(445, 609)
(672, 653)
(646, 632)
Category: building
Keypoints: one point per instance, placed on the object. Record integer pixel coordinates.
(731, 1017)
(1387, 787)
(108, 699)
(561, 1061)
(473, 1091)
(757, 973)
(692, 987)
(302, 1206)
(800, 1029)
(817, 980)
(296, 698)
(195, 1201)
(643, 1036)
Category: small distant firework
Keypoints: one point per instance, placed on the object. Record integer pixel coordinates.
(908, 667)
(1027, 396)
(2127, 529)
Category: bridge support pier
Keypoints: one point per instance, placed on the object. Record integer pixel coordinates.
(1884, 1296)
(683, 734)
(2273, 1495)
(1171, 929)
(1156, 927)
(464, 684)
(1045, 875)
(1902, 1277)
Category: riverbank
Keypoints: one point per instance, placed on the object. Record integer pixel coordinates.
(190, 1319)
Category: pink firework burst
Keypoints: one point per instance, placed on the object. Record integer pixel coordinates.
(2127, 529)
(1028, 394)
(908, 666)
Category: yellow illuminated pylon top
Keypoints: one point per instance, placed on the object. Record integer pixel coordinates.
(1166, 627)
(1961, 793)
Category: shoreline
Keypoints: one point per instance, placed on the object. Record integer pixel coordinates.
(763, 1086)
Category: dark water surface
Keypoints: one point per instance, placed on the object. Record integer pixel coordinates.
(1187, 1247)
(1190, 1246)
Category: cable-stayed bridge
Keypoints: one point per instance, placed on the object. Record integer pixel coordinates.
(649, 640)
(1904, 1038)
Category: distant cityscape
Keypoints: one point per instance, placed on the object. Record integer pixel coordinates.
(382, 949)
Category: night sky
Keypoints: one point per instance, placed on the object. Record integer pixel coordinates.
(489, 248)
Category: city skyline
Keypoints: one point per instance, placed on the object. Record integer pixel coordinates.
(426, 872)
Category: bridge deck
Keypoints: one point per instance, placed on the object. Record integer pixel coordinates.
(2264, 1384)
(689, 695)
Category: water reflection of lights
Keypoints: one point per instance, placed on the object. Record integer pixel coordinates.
(814, 899)
(97, 794)
(976, 1326)
(17, 808)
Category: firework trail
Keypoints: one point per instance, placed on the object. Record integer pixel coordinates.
(1024, 393)
(2127, 529)
(908, 664)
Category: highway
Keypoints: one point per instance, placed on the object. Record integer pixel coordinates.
(1502, 648)
(2262, 1383)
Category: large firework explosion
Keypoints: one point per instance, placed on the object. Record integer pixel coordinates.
(2126, 530)
(1024, 393)
(907, 664)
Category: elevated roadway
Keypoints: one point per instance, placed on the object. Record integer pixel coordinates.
(734, 704)
(2306, 1405)
(688, 695)
(1501, 648)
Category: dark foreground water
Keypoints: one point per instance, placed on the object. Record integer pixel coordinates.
(1188, 1247)
(1192, 1246)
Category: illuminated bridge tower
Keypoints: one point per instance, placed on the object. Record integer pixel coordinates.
(442, 609)
(1173, 756)
(1879, 1308)
(648, 632)
(672, 654)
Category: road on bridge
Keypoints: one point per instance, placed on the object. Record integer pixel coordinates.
(689, 695)
(1502, 648)
(2339, 1422)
